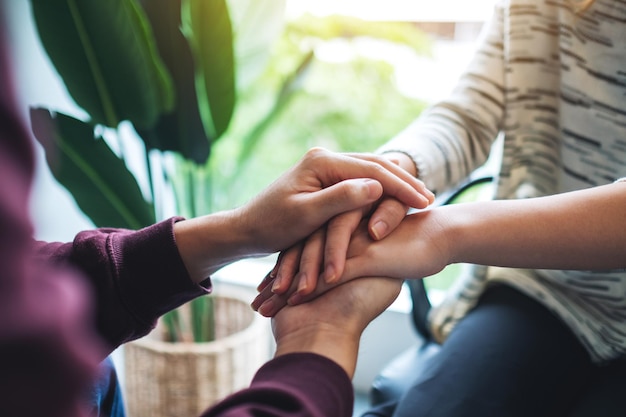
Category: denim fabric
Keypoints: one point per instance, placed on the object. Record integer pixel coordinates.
(106, 395)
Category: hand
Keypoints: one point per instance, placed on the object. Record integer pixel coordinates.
(322, 185)
(416, 249)
(332, 324)
(324, 252)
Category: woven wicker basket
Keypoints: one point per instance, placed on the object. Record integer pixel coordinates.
(165, 379)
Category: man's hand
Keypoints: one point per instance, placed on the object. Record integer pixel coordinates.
(320, 186)
(332, 324)
(322, 255)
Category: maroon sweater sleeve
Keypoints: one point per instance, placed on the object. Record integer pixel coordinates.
(48, 353)
(294, 385)
(137, 276)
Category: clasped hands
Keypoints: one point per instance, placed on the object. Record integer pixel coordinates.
(375, 240)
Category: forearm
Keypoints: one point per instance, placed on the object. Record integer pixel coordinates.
(582, 230)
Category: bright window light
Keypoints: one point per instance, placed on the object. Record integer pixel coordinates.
(397, 10)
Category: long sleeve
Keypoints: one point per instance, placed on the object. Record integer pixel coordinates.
(452, 138)
(64, 307)
(294, 385)
(136, 276)
(48, 353)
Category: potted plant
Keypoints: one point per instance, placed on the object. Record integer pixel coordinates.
(159, 76)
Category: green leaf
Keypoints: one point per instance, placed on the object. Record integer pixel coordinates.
(104, 189)
(106, 55)
(180, 130)
(207, 25)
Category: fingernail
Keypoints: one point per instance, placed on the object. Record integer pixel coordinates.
(295, 299)
(302, 282)
(379, 230)
(373, 188)
(256, 302)
(329, 274)
(277, 282)
(266, 308)
(265, 281)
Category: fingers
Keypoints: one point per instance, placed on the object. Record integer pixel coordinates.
(341, 197)
(267, 279)
(338, 235)
(286, 269)
(311, 262)
(397, 182)
(269, 304)
(387, 216)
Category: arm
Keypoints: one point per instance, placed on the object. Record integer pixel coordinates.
(299, 202)
(138, 276)
(135, 276)
(46, 348)
(317, 346)
(452, 138)
(579, 230)
(444, 145)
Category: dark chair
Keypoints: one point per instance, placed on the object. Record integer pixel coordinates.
(393, 380)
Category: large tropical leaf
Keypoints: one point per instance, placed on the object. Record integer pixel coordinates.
(180, 130)
(207, 25)
(106, 55)
(104, 188)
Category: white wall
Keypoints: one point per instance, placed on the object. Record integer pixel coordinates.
(54, 213)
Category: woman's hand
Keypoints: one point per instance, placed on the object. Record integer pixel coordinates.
(416, 249)
(323, 253)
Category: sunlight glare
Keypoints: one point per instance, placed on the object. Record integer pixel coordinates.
(396, 10)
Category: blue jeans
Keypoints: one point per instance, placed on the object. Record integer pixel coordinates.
(105, 395)
(511, 357)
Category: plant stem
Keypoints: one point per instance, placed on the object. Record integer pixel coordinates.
(191, 192)
(157, 207)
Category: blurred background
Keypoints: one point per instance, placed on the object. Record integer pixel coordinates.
(343, 74)
(352, 74)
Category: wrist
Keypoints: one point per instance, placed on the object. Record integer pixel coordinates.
(447, 232)
(210, 242)
(464, 231)
(339, 345)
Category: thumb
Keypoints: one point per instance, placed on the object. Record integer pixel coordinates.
(344, 196)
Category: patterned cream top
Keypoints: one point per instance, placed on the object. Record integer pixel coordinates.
(553, 84)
